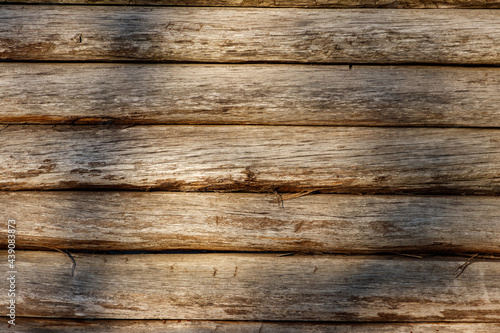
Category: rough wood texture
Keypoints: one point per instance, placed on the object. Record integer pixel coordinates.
(251, 158)
(286, 3)
(243, 34)
(252, 222)
(255, 287)
(40, 325)
(250, 94)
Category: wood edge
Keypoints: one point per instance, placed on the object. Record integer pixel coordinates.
(62, 325)
(336, 4)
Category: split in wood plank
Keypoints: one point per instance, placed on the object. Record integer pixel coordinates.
(283, 3)
(42, 325)
(105, 221)
(255, 287)
(208, 34)
(249, 94)
(251, 158)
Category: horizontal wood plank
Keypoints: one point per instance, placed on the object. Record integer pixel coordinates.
(249, 94)
(251, 158)
(284, 3)
(105, 221)
(208, 34)
(255, 287)
(42, 325)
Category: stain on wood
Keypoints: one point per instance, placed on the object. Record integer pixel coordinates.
(352, 289)
(235, 35)
(250, 94)
(280, 158)
(105, 221)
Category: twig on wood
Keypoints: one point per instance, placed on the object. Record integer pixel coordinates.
(279, 199)
(73, 266)
(282, 197)
(482, 256)
(460, 269)
(297, 195)
(407, 255)
(285, 254)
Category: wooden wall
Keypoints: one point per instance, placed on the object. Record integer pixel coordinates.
(252, 165)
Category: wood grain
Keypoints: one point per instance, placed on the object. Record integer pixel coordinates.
(105, 221)
(285, 3)
(42, 325)
(255, 287)
(164, 34)
(251, 158)
(249, 94)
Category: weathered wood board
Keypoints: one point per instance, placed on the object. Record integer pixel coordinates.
(251, 158)
(255, 287)
(163, 34)
(42, 325)
(105, 221)
(285, 3)
(249, 94)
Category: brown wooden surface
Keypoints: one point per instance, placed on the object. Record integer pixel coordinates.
(162, 34)
(250, 94)
(42, 325)
(252, 222)
(330, 293)
(255, 287)
(251, 158)
(285, 3)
